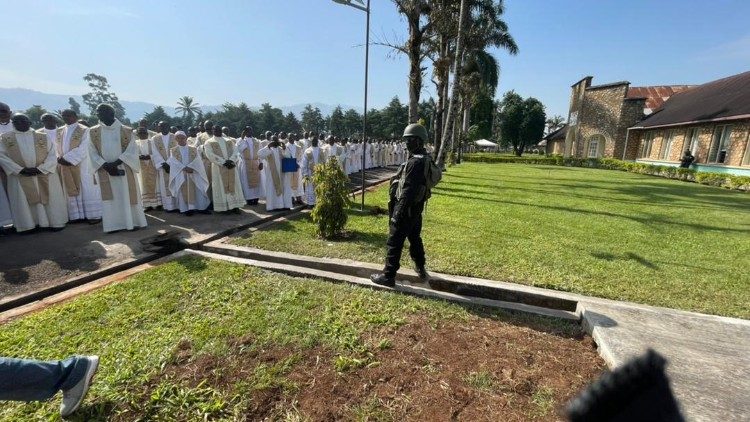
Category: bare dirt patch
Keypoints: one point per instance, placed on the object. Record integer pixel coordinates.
(481, 369)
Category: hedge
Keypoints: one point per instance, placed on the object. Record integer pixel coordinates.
(728, 181)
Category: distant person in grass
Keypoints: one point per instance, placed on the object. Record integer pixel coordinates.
(407, 197)
(35, 380)
(187, 177)
(687, 159)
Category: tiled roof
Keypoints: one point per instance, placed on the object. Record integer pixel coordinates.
(558, 134)
(655, 95)
(722, 99)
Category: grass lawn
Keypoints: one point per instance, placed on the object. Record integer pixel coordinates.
(197, 339)
(597, 232)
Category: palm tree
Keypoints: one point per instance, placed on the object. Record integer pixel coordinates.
(555, 122)
(188, 108)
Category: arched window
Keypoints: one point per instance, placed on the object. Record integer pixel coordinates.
(595, 147)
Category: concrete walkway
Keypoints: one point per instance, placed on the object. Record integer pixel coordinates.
(709, 356)
(46, 259)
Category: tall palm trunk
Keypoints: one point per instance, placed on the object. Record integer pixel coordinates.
(463, 18)
(415, 64)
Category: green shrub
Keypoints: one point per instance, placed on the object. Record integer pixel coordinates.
(689, 175)
(332, 198)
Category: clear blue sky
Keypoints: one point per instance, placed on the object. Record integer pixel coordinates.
(297, 51)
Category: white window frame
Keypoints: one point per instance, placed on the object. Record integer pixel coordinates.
(648, 141)
(594, 141)
(720, 144)
(693, 136)
(666, 145)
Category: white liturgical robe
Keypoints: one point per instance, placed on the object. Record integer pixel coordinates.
(121, 212)
(294, 178)
(71, 144)
(160, 147)
(311, 158)
(226, 188)
(6, 218)
(271, 157)
(187, 178)
(50, 209)
(248, 151)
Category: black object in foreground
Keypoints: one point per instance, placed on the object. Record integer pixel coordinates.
(636, 391)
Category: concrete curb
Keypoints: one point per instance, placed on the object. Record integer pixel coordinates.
(416, 289)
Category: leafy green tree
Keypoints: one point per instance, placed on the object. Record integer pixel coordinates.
(395, 119)
(158, 114)
(352, 122)
(534, 120)
(34, 114)
(270, 118)
(74, 105)
(291, 124)
(100, 93)
(336, 122)
(555, 122)
(312, 119)
(235, 117)
(522, 121)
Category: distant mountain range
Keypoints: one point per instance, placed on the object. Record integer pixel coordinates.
(21, 99)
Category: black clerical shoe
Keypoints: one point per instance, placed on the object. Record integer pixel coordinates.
(383, 280)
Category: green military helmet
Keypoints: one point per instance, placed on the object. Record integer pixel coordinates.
(415, 129)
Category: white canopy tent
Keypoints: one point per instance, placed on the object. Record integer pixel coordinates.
(485, 144)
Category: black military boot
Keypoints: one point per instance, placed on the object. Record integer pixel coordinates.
(422, 273)
(383, 280)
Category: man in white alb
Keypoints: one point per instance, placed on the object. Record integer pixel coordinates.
(226, 188)
(72, 146)
(311, 158)
(6, 218)
(34, 190)
(161, 144)
(277, 188)
(113, 156)
(249, 166)
(187, 177)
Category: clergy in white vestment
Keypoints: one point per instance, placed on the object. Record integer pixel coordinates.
(187, 176)
(113, 156)
(333, 150)
(6, 218)
(249, 166)
(148, 176)
(311, 158)
(226, 188)
(34, 189)
(292, 150)
(277, 188)
(367, 149)
(161, 144)
(72, 146)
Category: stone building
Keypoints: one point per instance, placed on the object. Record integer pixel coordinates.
(599, 116)
(711, 120)
(555, 141)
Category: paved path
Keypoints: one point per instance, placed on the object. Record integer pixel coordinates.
(33, 261)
